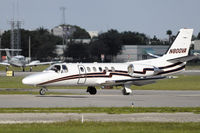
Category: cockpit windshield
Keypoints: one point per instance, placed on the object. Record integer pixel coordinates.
(58, 68)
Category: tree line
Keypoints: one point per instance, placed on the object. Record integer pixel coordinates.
(110, 43)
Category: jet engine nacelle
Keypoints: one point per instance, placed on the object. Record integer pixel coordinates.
(140, 70)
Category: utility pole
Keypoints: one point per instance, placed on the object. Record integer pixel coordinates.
(64, 29)
(15, 40)
(63, 15)
(0, 46)
(29, 48)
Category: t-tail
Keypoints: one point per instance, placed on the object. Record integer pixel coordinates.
(180, 48)
(8, 52)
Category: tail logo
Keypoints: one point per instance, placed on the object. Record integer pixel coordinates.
(177, 50)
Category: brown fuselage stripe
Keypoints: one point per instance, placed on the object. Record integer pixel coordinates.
(117, 72)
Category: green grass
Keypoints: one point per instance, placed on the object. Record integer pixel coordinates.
(101, 127)
(192, 67)
(12, 82)
(109, 110)
(34, 68)
(180, 83)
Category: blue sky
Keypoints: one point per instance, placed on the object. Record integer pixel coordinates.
(152, 17)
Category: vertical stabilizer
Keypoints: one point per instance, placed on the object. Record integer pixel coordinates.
(181, 45)
(8, 54)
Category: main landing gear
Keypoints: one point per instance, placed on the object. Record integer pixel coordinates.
(43, 91)
(6, 68)
(126, 90)
(31, 69)
(23, 69)
(92, 90)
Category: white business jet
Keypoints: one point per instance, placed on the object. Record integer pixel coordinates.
(117, 74)
(20, 61)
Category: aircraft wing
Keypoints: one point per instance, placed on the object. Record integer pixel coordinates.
(134, 81)
(37, 63)
(4, 63)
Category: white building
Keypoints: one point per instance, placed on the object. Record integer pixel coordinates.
(139, 52)
(60, 49)
(93, 33)
(57, 31)
(196, 44)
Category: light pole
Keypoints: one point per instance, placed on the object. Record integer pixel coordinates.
(0, 45)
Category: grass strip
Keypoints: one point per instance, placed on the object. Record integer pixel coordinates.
(109, 110)
(34, 68)
(181, 83)
(101, 127)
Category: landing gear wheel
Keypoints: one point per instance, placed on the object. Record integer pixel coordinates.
(92, 90)
(124, 92)
(31, 69)
(43, 91)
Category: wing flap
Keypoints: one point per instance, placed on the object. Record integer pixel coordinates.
(37, 63)
(134, 81)
(4, 63)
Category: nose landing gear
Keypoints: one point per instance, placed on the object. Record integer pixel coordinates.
(43, 91)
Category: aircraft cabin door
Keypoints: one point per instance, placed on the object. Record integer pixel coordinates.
(82, 73)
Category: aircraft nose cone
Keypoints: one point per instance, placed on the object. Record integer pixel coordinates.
(35, 79)
(27, 81)
(31, 79)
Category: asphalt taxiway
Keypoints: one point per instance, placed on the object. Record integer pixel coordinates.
(62, 117)
(104, 98)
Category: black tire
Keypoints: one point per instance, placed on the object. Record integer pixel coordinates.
(124, 92)
(92, 90)
(42, 91)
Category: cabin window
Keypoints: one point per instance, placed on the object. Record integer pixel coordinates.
(94, 69)
(81, 68)
(56, 68)
(88, 69)
(106, 69)
(100, 69)
(64, 67)
(113, 69)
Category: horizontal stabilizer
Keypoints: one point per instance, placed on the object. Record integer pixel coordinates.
(6, 49)
(185, 59)
(153, 55)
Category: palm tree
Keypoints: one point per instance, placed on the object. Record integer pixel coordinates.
(169, 33)
(198, 36)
